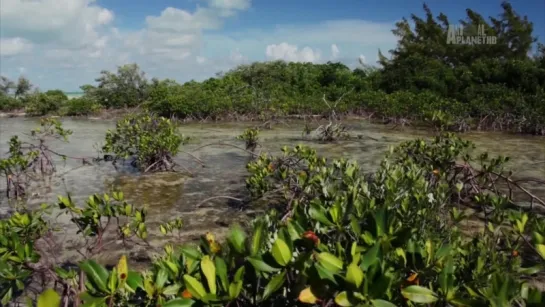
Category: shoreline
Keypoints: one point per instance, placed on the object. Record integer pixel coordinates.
(114, 114)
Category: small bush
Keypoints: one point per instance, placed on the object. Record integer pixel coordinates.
(80, 106)
(57, 95)
(8, 103)
(40, 104)
(150, 141)
(250, 137)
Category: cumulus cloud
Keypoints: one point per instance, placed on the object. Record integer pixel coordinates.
(200, 59)
(176, 20)
(334, 51)
(291, 53)
(69, 47)
(45, 21)
(14, 46)
(230, 4)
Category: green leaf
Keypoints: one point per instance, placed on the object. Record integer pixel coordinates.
(324, 273)
(240, 273)
(281, 252)
(401, 253)
(382, 303)
(371, 256)
(293, 231)
(273, 285)
(172, 289)
(92, 301)
(419, 294)
(257, 238)
(221, 271)
(541, 250)
(355, 225)
(179, 302)
(49, 298)
(96, 274)
(112, 281)
(172, 266)
(194, 286)
(237, 237)
(234, 289)
(209, 270)
(134, 281)
(7, 297)
(354, 275)
(342, 299)
(261, 266)
(317, 213)
(531, 270)
(191, 252)
(330, 262)
(380, 220)
(161, 278)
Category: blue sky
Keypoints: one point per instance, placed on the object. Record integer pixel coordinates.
(193, 39)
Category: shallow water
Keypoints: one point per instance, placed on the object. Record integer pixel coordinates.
(172, 195)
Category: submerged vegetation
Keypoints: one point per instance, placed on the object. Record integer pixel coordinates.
(488, 86)
(333, 234)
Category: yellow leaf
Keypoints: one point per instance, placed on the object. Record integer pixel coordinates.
(210, 237)
(215, 247)
(209, 270)
(122, 268)
(354, 274)
(342, 299)
(49, 298)
(306, 296)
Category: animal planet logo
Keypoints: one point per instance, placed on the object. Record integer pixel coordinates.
(455, 35)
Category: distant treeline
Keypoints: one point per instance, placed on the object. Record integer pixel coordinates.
(498, 85)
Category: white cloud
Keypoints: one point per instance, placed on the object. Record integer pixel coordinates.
(237, 57)
(43, 21)
(14, 46)
(335, 51)
(200, 59)
(176, 20)
(230, 4)
(65, 48)
(291, 53)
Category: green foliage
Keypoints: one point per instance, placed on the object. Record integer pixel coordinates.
(150, 141)
(126, 88)
(22, 87)
(40, 104)
(495, 83)
(8, 103)
(333, 235)
(28, 159)
(92, 220)
(80, 106)
(495, 86)
(6, 85)
(250, 137)
(57, 95)
(18, 233)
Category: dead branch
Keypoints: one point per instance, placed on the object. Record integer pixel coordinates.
(216, 197)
